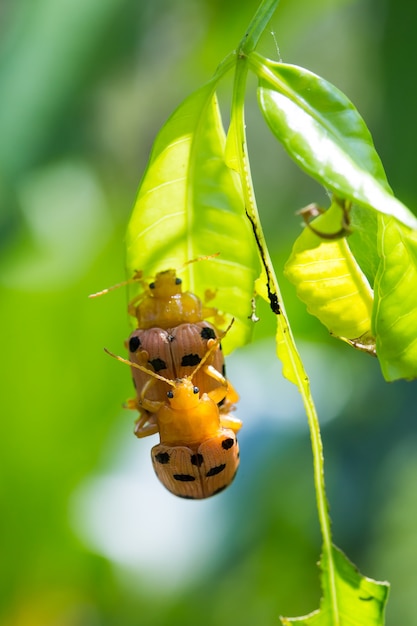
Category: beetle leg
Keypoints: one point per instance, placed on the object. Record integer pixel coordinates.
(133, 305)
(213, 313)
(213, 373)
(227, 421)
(149, 405)
(219, 393)
(226, 392)
(210, 311)
(146, 425)
(232, 395)
(131, 404)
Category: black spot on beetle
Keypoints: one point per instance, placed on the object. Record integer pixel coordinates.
(134, 344)
(227, 443)
(184, 478)
(207, 333)
(162, 458)
(157, 364)
(216, 470)
(197, 459)
(190, 360)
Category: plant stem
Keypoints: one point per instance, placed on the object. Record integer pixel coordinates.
(257, 26)
(293, 367)
(251, 38)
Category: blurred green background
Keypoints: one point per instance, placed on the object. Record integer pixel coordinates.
(88, 536)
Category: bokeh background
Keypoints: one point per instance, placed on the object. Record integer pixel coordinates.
(88, 537)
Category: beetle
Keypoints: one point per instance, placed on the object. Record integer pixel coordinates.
(164, 304)
(198, 453)
(174, 353)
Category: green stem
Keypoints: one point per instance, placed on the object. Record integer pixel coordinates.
(293, 366)
(250, 40)
(257, 26)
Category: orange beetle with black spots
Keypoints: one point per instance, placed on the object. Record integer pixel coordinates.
(182, 393)
(198, 453)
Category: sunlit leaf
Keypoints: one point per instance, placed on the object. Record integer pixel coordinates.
(329, 280)
(349, 599)
(190, 203)
(395, 312)
(323, 132)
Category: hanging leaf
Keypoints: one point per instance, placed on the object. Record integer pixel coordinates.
(349, 599)
(395, 311)
(189, 204)
(329, 280)
(323, 132)
(363, 240)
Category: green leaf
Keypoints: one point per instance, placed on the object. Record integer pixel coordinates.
(395, 311)
(323, 132)
(329, 280)
(189, 204)
(364, 240)
(349, 599)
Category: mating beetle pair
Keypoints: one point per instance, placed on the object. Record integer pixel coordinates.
(181, 390)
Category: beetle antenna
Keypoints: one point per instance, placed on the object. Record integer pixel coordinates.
(205, 257)
(211, 349)
(137, 276)
(141, 368)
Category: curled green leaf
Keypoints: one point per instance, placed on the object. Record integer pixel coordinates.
(329, 280)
